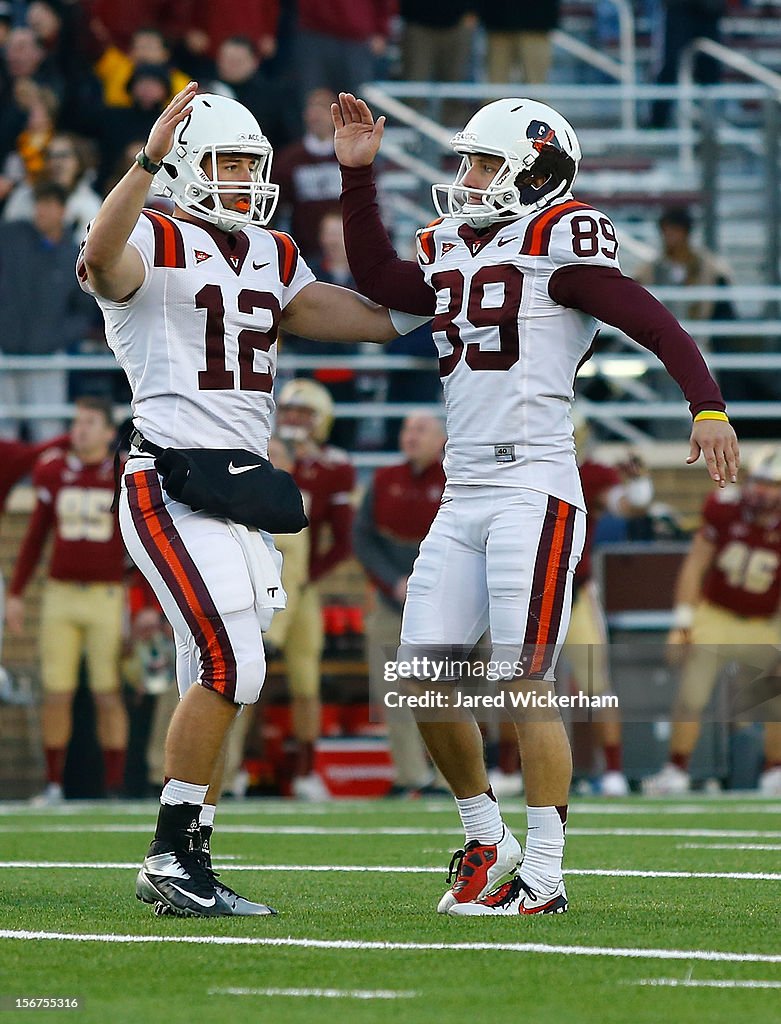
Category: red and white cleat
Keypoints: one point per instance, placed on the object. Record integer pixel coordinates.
(512, 899)
(480, 867)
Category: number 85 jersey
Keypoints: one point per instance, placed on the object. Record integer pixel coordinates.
(508, 353)
(197, 340)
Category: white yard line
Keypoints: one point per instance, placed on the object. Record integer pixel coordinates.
(318, 993)
(728, 846)
(391, 830)
(717, 956)
(714, 983)
(741, 876)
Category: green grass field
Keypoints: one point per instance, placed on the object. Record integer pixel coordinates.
(638, 945)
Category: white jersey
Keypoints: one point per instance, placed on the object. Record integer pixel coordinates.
(508, 352)
(198, 339)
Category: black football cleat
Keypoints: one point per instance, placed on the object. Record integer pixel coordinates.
(176, 882)
(239, 906)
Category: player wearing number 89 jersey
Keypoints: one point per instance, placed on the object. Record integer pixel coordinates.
(509, 352)
(517, 274)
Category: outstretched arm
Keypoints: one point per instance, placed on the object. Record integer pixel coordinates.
(326, 312)
(607, 295)
(375, 265)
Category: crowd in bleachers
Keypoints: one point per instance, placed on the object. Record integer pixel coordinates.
(81, 84)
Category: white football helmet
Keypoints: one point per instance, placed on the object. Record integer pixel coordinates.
(762, 492)
(218, 124)
(533, 140)
(303, 393)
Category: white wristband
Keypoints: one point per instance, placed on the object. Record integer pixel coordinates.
(683, 616)
(406, 322)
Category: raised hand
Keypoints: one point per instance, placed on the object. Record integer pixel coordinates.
(161, 137)
(718, 443)
(357, 136)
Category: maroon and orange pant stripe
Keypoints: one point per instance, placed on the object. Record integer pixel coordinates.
(164, 545)
(549, 584)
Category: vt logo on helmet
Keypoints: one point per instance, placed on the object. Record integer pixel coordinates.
(539, 155)
(541, 134)
(219, 126)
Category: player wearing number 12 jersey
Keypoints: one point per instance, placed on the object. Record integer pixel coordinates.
(192, 305)
(517, 274)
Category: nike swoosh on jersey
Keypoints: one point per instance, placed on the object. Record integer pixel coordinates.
(193, 896)
(258, 266)
(235, 470)
(506, 241)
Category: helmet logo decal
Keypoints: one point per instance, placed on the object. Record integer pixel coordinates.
(541, 134)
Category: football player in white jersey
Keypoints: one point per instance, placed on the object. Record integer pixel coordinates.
(192, 304)
(517, 274)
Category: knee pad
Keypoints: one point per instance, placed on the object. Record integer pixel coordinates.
(250, 676)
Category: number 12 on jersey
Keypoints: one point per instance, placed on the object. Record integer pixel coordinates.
(217, 376)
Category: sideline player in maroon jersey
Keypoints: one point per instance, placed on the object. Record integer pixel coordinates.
(727, 612)
(326, 480)
(17, 458)
(83, 600)
(626, 491)
(395, 515)
(517, 275)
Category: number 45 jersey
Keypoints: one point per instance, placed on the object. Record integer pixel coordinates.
(198, 339)
(508, 352)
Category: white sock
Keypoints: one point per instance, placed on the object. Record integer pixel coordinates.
(541, 868)
(176, 792)
(206, 816)
(481, 818)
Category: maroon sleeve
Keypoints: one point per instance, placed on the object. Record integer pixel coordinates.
(17, 458)
(607, 295)
(32, 546)
(379, 273)
(340, 519)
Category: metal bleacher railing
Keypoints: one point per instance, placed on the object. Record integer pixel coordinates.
(721, 155)
(630, 414)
